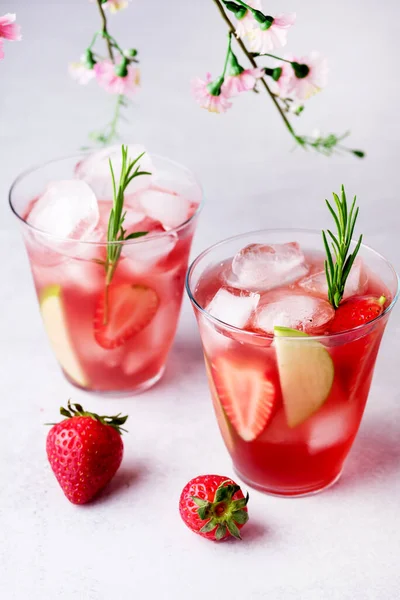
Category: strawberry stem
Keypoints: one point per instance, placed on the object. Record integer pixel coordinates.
(76, 410)
(223, 514)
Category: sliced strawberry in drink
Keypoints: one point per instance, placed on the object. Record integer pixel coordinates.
(123, 312)
(357, 311)
(246, 394)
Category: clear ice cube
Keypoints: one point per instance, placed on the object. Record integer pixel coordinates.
(95, 170)
(148, 250)
(170, 209)
(67, 209)
(259, 267)
(356, 284)
(236, 310)
(331, 425)
(296, 311)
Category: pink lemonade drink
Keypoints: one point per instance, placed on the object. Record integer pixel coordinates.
(289, 376)
(115, 335)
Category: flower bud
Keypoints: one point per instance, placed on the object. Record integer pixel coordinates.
(264, 21)
(130, 52)
(234, 67)
(358, 153)
(300, 70)
(88, 59)
(122, 69)
(238, 10)
(215, 86)
(276, 73)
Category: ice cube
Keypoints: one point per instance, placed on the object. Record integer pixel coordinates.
(148, 250)
(236, 310)
(331, 425)
(304, 313)
(357, 282)
(67, 209)
(170, 209)
(259, 267)
(95, 170)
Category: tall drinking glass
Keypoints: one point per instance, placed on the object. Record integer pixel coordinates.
(288, 408)
(128, 354)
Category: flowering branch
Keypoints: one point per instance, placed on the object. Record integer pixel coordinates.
(116, 74)
(296, 79)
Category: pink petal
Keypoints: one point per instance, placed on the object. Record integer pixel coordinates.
(285, 20)
(1, 49)
(278, 36)
(8, 29)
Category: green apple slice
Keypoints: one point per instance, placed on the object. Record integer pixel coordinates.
(53, 314)
(306, 374)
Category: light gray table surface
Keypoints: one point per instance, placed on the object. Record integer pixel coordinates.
(340, 545)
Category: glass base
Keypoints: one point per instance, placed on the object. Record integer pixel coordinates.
(143, 387)
(295, 493)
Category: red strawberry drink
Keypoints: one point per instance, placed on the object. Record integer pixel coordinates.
(109, 287)
(289, 374)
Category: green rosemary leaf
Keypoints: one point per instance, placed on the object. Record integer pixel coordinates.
(136, 234)
(115, 231)
(328, 254)
(338, 272)
(335, 244)
(333, 214)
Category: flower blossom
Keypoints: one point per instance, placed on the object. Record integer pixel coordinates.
(263, 40)
(242, 82)
(305, 82)
(108, 78)
(211, 95)
(9, 30)
(116, 5)
(247, 23)
(80, 72)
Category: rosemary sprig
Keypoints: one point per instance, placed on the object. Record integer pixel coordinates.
(116, 232)
(338, 271)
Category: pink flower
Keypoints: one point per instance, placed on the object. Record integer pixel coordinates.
(116, 5)
(205, 94)
(264, 40)
(9, 29)
(80, 72)
(107, 78)
(242, 82)
(299, 83)
(247, 23)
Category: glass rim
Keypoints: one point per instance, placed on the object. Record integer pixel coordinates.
(140, 240)
(268, 336)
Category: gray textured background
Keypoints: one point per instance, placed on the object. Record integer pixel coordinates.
(338, 546)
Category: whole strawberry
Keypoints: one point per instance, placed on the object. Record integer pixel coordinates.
(85, 451)
(214, 507)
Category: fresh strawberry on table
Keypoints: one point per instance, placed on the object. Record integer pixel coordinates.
(85, 451)
(214, 507)
(357, 311)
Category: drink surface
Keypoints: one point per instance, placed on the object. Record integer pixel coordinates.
(288, 410)
(116, 340)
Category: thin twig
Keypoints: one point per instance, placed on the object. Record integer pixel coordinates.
(104, 30)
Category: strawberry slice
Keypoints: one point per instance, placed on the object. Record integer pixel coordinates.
(247, 396)
(130, 308)
(357, 311)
